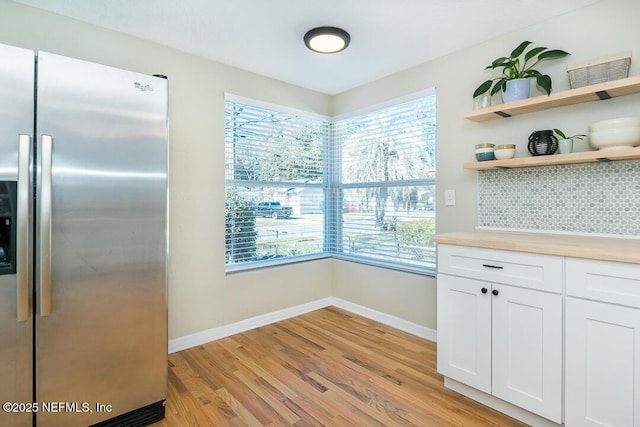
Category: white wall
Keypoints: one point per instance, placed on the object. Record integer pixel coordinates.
(201, 296)
(606, 27)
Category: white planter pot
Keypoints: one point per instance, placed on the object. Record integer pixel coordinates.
(565, 146)
(516, 90)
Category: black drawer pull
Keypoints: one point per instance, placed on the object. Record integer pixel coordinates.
(484, 290)
(497, 267)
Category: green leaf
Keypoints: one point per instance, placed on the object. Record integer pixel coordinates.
(532, 73)
(533, 52)
(482, 88)
(556, 53)
(518, 51)
(545, 82)
(514, 70)
(498, 62)
(499, 85)
(560, 133)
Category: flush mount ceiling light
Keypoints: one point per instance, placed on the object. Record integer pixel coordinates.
(327, 39)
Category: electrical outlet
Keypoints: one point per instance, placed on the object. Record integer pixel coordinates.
(449, 197)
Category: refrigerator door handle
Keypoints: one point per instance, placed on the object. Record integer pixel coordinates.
(45, 225)
(22, 226)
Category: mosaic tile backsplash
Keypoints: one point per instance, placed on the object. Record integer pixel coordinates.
(589, 198)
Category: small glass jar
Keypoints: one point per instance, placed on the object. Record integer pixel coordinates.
(482, 101)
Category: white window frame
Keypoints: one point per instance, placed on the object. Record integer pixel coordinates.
(333, 187)
(338, 251)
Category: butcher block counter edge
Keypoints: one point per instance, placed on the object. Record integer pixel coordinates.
(590, 247)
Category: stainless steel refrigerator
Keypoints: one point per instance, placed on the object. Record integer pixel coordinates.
(83, 242)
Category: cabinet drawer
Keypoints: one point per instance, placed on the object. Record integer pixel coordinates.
(606, 281)
(535, 271)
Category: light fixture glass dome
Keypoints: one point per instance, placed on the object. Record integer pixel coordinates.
(327, 39)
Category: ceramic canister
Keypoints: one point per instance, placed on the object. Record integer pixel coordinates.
(484, 152)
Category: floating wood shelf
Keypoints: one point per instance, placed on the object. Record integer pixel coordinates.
(558, 159)
(579, 95)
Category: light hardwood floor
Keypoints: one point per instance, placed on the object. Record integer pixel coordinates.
(325, 368)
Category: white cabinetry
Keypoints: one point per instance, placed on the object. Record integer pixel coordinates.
(500, 325)
(527, 350)
(464, 331)
(602, 344)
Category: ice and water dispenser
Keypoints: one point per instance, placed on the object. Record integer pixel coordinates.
(7, 227)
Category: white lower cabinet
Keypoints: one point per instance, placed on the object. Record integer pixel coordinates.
(464, 331)
(527, 350)
(547, 339)
(602, 384)
(500, 331)
(603, 364)
(501, 339)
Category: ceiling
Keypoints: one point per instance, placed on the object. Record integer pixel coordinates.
(266, 36)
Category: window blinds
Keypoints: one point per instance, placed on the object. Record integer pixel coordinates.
(362, 187)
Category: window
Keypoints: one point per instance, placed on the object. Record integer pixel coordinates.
(298, 185)
(387, 184)
(274, 170)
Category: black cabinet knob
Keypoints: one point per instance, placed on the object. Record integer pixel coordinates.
(495, 292)
(484, 290)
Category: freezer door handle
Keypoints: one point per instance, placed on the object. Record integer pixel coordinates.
(45, 225)
(22, 226)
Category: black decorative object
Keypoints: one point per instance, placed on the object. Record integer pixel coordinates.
(542, 142)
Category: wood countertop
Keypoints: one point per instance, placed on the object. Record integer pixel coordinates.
(600, 248)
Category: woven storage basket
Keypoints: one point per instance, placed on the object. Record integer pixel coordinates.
(600, 70)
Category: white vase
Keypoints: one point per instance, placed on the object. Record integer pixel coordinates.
(565, 146)
(516, 90)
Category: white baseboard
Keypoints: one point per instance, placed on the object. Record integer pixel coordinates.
(203, 337)
(387, 319)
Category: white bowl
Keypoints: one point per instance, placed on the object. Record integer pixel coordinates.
(506, 151)
(621, 122)
(615, 138)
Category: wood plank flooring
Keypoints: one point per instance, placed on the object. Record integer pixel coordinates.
(325, 368)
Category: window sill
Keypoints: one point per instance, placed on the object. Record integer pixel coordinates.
(422, 271)
(259, 265)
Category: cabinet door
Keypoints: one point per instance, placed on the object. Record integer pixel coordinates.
(602, 364)
(527, 349)
(464, 331)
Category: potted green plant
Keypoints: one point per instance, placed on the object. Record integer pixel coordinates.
(565, 143)
(517, 69)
